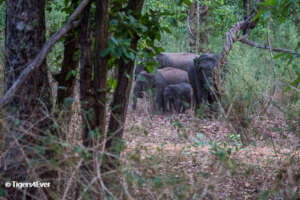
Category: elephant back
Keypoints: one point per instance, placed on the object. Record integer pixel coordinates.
(181, 61)
(173, 75)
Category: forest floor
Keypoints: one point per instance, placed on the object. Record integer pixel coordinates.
(208, 158)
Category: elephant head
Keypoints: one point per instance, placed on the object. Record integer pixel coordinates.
(201, 75)
(144, 81)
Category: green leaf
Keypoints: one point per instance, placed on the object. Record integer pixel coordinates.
(187, 2)
(279, 55)
(105, 52)
(157, 183)
(277, 2)
(113, 39)
(70, 74)
(267, 14)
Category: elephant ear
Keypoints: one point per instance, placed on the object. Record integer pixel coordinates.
(146, 77)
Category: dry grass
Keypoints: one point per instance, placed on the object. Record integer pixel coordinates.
(267, 170)
(183, 157)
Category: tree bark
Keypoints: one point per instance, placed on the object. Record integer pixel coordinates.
(86, 95)
(198, 23)
(66, 79)
(193, 28)
(100, 64)
(39, 59)
(28, 110)
(119, 104)
(246, 8)
(93, 83)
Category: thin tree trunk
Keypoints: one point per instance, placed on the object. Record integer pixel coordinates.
(203, 28)
(100, 64)
(246, 8)
(198, 23)
(197, 26)
(212, 12)
(30, 106)
(86, 95)
(66, 79)
(121, 97)
(192, 28)
(93, 86)
(93, 77)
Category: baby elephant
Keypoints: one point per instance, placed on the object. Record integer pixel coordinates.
(178, 96)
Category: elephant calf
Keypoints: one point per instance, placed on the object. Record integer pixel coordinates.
(178, 96)
(159, 81)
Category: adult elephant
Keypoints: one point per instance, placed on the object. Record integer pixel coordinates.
(181, 60)
(201, 76)
(178, 96)
(159, 81)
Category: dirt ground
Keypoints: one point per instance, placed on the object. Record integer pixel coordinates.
(269, 168)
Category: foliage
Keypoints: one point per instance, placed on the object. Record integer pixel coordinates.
(56, 16)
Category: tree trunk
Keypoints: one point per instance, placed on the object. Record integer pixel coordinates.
(246, 8)
(93, 77)
(28, 111)
(66, 79)
(203, 28)
(121, 97)
(198, 25)
(93, 84)
(100, 64)
(193, 28)
(86, 93)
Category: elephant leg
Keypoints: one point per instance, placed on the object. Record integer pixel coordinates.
(177, 105)
(160, 99)
(167, 101)
(199, 93)
(134, 102)
(183, 105)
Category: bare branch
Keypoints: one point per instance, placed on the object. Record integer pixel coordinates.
(38, 60)
(233, 34)
(188, 25)
(260, 46)
(231, 37)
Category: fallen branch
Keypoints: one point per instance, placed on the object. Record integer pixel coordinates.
(260, 46)
(39, 59)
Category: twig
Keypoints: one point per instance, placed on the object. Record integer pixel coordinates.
(260, 46)
(273, 63)
(70, 180)
(275, 76)
(188, 25)
(88, 186)
(125, 186)
(38, 60)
